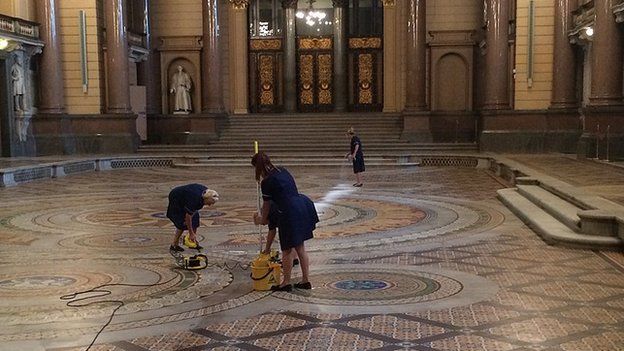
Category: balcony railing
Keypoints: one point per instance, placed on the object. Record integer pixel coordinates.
(19, 27)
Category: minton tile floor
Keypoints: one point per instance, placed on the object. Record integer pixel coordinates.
(420, 258)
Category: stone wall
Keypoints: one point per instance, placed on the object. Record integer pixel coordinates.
(535, 94)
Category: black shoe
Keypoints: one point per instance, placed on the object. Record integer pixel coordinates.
(295, 262)
(287, 288)
(357, 185)
(305, 286)
(176, 248)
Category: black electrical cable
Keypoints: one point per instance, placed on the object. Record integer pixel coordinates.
(74, 301)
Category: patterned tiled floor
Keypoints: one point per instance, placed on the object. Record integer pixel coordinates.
(418, 259)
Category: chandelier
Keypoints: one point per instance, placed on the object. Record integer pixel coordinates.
(311, 16)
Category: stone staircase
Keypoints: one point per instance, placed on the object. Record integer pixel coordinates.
(310, 137)
(560, 213)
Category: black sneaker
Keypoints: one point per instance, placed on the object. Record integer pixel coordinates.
(176, 248)
(305, 286)
(287, 288)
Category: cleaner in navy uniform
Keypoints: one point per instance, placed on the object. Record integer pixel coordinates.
(357, 156)
(183, 210)
(297, 217)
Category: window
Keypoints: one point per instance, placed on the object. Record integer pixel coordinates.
(265, 18)
(365, 18)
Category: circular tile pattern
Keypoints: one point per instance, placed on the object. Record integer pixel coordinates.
(364, 286)
(361, 284)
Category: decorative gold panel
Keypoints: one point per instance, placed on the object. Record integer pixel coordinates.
(306, 76)
(315, 43)
(265, 44)
(365, 43)
(267, 93)
(365, 79)
(326, 65)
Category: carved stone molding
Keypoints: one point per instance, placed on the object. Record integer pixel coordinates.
(289, 4)
(584, 17)
(452, 38)
(173, 43)
(388, 3)
(239, 4)
(618, 11)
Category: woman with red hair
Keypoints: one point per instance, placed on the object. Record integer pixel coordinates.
(297, 217)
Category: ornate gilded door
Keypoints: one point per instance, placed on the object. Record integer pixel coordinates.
(365, 74)
(265, 75)
(315, 74)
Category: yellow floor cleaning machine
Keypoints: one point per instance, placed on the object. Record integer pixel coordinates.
(190, 262)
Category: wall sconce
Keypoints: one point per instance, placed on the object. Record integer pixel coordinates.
(3, 43)
(589, 31)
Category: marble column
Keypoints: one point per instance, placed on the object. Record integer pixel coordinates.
(340, 54)
(564, 67)
(497, 55)
(290, 56)
(416, 97)
(212, 90)
(52, 98)
(390, 56)
(116, 58)
(151, 67)
(606, 61)
(239, 56)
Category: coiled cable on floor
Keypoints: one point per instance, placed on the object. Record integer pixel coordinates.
(74, 300)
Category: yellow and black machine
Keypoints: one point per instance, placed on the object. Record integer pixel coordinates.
(193, 262)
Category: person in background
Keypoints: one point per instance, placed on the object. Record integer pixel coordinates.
(297, 217)
(183, 210)
(356, 156)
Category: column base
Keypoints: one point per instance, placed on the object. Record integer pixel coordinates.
(603, 134)
(63, 134)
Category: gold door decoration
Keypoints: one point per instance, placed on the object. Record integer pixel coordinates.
(315, 44)
(326, 66)
(267, 95)
(306, 79)
(365, 43)
(365, 79)
(265, 75)
(265, 44)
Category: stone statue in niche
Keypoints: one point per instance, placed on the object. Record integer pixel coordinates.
(181, 87)
(17, 76)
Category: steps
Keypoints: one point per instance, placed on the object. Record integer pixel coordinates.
(560, 213)
(549, 227)
(316, 134)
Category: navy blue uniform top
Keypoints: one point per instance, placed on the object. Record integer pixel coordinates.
(297, 216)
(358, 160)
(185, 199)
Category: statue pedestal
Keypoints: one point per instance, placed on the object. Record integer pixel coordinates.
(190, 129)
(181, 112)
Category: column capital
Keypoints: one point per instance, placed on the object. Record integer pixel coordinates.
(340, 3)
(388, 3)
(239, 4)
(289, 4)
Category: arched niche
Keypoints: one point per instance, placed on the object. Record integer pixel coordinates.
(193, 72)
(452, 91)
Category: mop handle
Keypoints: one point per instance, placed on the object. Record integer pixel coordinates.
(258, 200)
